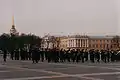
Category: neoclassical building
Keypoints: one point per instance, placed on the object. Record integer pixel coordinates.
(100, 42)
(90, 42)
(78, 41)
(74, 42)
(86, 42)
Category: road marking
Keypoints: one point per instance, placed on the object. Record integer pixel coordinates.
(87, 66)
(96, 74)
(4, 71)
(80, 65)
(76, 65)
(91, 78)
(43, 77)
(48, 77)
(36, 70)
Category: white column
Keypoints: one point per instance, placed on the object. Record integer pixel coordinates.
(75, 42)
(80, 42)
(87, 43)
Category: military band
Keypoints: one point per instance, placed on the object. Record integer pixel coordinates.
(37, 54)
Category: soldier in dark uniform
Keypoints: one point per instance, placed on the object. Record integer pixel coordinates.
(52, 55)
(105, 56)
(78, 56)
(118, 55)
(81, 55)
(112, 56)
(38, 54)
(64, 55)
(97, 55)
(86, 55)
(92, 56)
(68, 53)
(48, 55)
(22, 54)
(108, 55)
(42, 55)
(35, 55)
(73, 55)
(57, 55)
(12, 54)
(17, 54)
(102, 55)
(29, 54)
(61, 54)
(5, 55)
(25, 54)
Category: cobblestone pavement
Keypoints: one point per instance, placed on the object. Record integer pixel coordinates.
(25, 70)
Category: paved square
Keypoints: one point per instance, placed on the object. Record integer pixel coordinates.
(25, 70)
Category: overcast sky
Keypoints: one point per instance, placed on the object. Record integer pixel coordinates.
(95, 17)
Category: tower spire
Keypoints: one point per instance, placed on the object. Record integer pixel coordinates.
(13, 20)
(13, 31)
(13, 25)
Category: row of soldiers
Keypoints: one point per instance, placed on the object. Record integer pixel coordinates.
(55, 55)
(83, 55)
